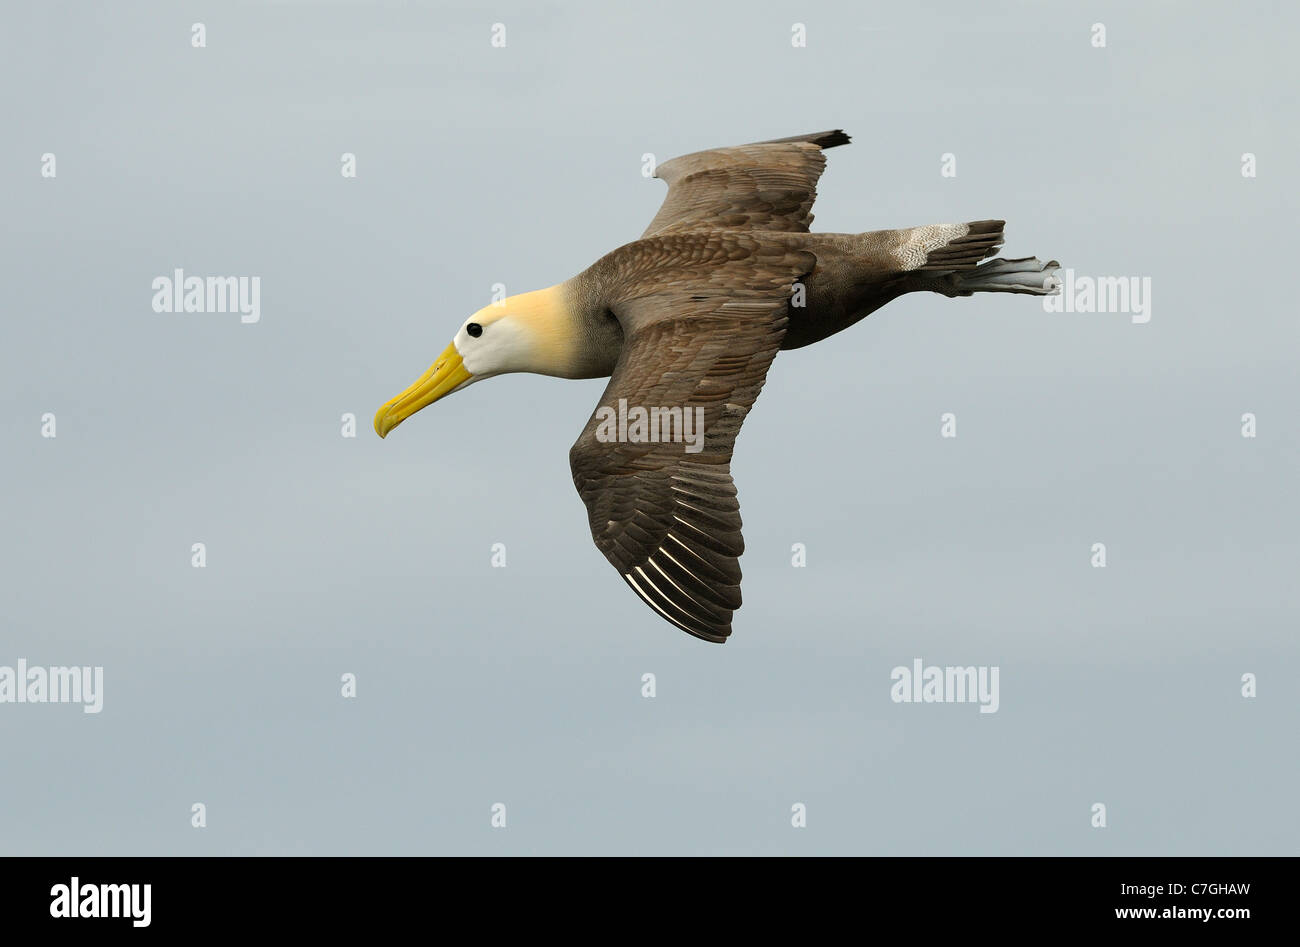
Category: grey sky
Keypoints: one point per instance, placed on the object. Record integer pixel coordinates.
(522, 685)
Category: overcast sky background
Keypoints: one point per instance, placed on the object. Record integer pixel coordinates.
(521, 685)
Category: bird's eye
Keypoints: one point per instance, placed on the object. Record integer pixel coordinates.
(474, 329)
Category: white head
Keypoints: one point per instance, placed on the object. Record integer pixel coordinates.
(524, 333)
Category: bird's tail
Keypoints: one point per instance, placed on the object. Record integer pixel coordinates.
(958, 267)
(958, 250)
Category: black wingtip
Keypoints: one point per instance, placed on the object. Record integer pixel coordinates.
(821, 139)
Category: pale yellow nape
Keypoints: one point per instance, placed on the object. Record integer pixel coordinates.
(548, 325)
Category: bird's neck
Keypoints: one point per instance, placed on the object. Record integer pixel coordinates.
(566, 340)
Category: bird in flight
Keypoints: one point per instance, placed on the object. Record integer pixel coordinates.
(685, 322)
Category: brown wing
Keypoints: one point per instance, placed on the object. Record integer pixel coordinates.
(770, 185)
(668, 519)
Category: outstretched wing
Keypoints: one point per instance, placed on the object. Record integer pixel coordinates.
(769, 185)
(666, 517)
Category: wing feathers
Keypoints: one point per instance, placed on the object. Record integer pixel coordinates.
(768, 185)
(698, 340)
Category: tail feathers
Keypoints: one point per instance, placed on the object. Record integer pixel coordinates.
(981, 239)
(1028, 275)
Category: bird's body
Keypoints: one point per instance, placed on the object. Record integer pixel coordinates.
(686, 322)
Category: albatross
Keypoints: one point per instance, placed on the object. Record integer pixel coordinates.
(685, 323)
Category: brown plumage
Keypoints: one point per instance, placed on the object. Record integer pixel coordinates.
(701, 333)
(690, 317)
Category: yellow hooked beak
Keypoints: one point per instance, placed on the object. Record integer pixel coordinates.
(443, 377)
